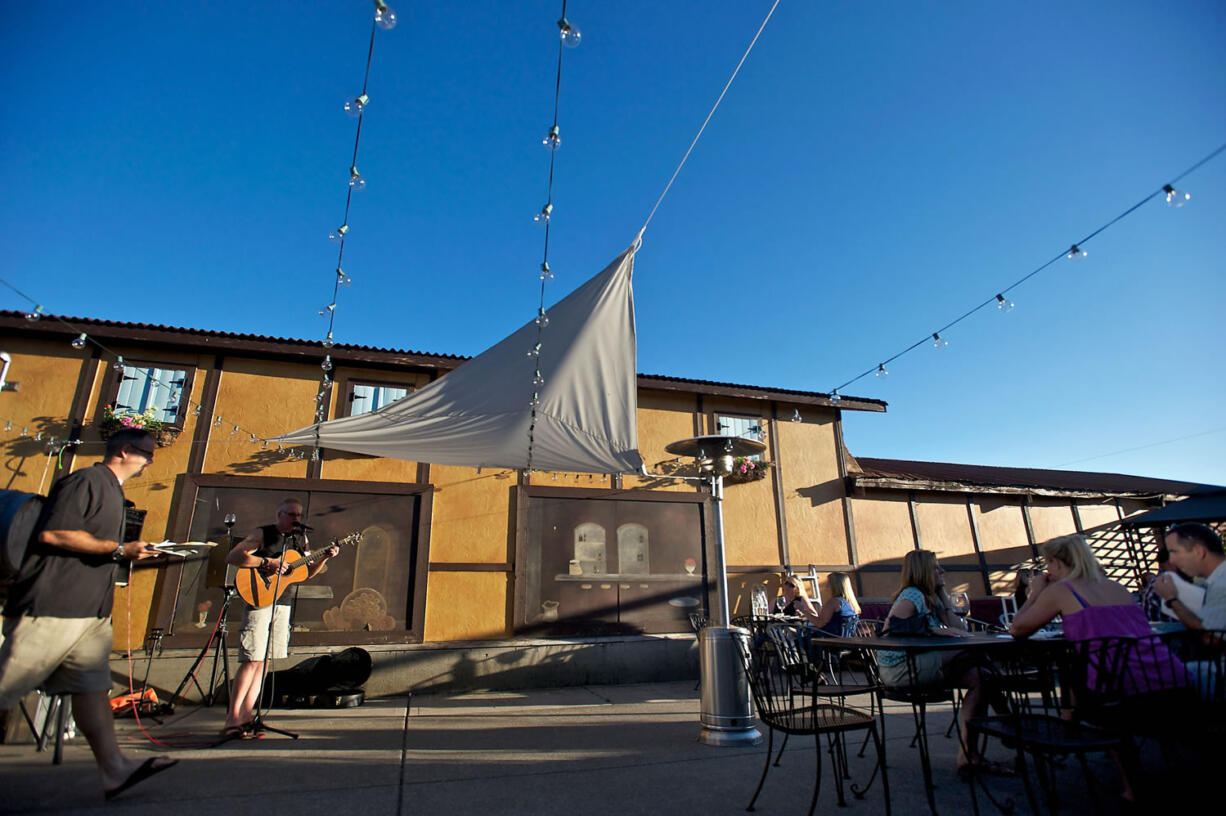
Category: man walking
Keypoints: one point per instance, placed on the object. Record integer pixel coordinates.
(57, 621)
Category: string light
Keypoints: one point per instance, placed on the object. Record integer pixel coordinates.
(796, 415)
(355, 107)
(542, 319)
(338, 234)
(1075, 252)
(385, 17)
(937, 341)
(835, 397)
(356, 182)
(341, 278)
(326, 365)
(1175, 198)
(36, 314)
(553, 139)
(881, 372)
(541, 217)
(78, 342)
(571, 35)
(118, 365)
(546, 273)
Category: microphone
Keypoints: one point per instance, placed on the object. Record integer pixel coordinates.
(299, 526)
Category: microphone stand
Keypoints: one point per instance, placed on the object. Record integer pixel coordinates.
(258, 725)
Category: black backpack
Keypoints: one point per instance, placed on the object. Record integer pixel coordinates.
(18, 515)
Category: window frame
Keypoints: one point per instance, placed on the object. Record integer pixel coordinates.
(114, 381)
(344, 405)
(716, 416)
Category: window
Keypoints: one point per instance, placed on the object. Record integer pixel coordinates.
(593, 565)
(141, 386)
(743, 426)
(367, 397)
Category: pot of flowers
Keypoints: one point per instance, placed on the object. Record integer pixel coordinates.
(747, 469)
(116, 420)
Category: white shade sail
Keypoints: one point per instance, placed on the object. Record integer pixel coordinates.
(480, 414)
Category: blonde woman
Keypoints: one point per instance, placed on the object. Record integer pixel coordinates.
(843, 606)
(795, 601)
(1093, 606)
(921, 606)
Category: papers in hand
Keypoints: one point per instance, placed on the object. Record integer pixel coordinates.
(184, 549)
(1188, 593)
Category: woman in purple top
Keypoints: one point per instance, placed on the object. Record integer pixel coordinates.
(1093, 606)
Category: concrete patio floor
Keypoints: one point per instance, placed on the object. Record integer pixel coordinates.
(592, 750)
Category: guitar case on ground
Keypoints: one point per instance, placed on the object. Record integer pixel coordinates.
(326, 681)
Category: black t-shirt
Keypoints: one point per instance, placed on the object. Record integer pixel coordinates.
(57, 583)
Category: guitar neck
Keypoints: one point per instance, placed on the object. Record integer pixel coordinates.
(307, 558)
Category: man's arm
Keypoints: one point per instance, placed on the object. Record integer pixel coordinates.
(243, 555)
(314, 568)
(1164, 585)
(79, 541)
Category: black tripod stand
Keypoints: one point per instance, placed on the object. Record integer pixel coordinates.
(218, 640)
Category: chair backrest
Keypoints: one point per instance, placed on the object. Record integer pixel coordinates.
(851, 626)
(698, 620)
(867, 627)
(790, 647)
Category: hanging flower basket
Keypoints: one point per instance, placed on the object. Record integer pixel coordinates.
(113, 421)
(745, 469)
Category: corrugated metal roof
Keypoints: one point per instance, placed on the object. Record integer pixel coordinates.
(1033, 478)
(53, 322)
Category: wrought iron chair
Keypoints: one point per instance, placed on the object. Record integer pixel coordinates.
(698, 621)
(783, 682)
(1057, 693)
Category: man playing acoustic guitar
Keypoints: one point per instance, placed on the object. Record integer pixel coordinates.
(262, 551)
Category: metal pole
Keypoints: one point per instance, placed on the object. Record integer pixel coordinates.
(721, 565)
(726, 714)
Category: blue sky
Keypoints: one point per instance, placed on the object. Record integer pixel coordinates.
(877, 169)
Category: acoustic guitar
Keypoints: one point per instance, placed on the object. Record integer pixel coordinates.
(261, 589)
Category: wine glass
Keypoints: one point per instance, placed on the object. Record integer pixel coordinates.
(961, 604)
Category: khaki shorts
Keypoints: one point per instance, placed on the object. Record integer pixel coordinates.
(60, 655)
(925, 665)
(253, 637)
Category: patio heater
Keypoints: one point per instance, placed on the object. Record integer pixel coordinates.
(725, 713)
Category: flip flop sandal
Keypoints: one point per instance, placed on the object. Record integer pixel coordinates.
(143, 772)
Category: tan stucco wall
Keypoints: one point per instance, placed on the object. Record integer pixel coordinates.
(264, 398)
(813, 491)
(663, 418)
(883, 528)
(467, 606)
(1050, 518)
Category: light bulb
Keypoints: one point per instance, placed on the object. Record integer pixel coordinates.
(553, 139)
(235, 430)
(326, 365)
(835, 397)
(1003, 304)
(796, 415)
(315, 452)
(543, 216)
(8, 426)
(881, 372)
(542, 319)
(338, 234)
(536, 400)
(1076, 253)
(327, 310)
(36, 314)
(356, 182)
(937, 341)
(545, 272)
(78, 342)
(538, 380)
(217, 422)
(118, 364)
(328, 341)
(355, 106)
(197, 410)
(385, 16)
(326, 382)
(253, 438)
(536, 351)
(341, 278)
(571, 35)
(1175, 198)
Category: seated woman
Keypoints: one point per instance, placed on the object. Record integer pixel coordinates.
(1092, 606)
(795, 601)
(842, 608)
(921, 606)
